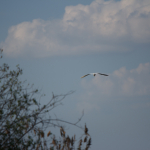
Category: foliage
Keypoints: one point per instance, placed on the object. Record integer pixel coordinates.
(24, 121)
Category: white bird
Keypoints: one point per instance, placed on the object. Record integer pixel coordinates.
(94, 74)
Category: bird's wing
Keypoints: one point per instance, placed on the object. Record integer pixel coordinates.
(103, 74)
(85, 75)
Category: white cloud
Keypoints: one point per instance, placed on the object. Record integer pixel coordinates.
(122, 82)
(100, 26)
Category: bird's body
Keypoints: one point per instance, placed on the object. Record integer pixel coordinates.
(94, 74)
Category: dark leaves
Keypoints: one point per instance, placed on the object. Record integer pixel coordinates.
(24, 120)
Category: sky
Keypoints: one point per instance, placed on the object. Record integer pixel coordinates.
(57, 42)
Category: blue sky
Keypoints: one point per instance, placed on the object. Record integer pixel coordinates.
(57, 42)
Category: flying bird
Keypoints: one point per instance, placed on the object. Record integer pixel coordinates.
(94, 74)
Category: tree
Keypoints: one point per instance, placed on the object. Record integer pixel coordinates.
(23, 120)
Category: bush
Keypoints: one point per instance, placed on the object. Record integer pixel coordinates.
(23, 120)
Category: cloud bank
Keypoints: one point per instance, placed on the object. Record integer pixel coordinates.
(102, 26)
(122, 82)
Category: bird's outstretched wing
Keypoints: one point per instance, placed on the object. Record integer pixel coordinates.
(85, 75)
(103, 74)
